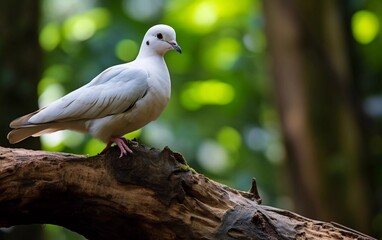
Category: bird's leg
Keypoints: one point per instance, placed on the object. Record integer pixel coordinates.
(122, 144)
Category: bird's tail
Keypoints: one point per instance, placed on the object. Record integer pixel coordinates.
(24, 131)
(19, 134)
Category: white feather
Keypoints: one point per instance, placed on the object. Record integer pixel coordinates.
(119, 100)
(110, 93)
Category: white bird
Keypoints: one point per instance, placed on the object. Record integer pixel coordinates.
(121, 99)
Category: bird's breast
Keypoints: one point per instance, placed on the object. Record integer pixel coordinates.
(158, 96)
(145, 110)
(159, 84)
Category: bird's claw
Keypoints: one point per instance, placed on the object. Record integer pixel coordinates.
(121, 142)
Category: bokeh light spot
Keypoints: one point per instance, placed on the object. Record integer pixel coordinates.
(158, 134)
(365, 26)
(257, 138)
(210, 92)
(52, 92)
(100, 17)
(126, 50)
(134, 134)
(53, 141)
(213, 157)
(94, 146)
(50, 36)
(60, 72)
(229, 138)
(143, 10)
(73, 139)
(44, 83)
(80, 29)
(83, 26)
(222, 54)
(204, 14)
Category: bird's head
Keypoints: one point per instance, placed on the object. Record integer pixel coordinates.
(159, 39)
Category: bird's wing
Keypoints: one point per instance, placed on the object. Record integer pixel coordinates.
(114, 91)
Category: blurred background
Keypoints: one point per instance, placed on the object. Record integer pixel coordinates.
(287, 91)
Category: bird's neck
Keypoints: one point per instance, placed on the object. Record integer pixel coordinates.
(156, 63)
(145, 52)
(154, 58)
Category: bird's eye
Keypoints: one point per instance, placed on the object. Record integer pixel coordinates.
(159, 36)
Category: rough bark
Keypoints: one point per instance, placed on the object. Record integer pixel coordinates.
(150, 194)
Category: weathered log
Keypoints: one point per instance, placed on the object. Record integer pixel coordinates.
(150, 194)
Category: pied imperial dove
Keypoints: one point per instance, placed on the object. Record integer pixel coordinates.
(121, 99)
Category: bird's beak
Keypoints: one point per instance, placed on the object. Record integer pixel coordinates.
(175, 46)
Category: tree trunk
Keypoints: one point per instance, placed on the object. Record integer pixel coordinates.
(149, 194)
(20, 71)
(319, 113)
(20, 63)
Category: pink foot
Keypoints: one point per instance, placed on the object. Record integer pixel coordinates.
(121, 143)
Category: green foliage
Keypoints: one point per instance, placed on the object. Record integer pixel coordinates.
(53, 232)
(221, 115)
(220, 93)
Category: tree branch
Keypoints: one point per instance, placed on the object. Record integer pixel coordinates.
(150, 194)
